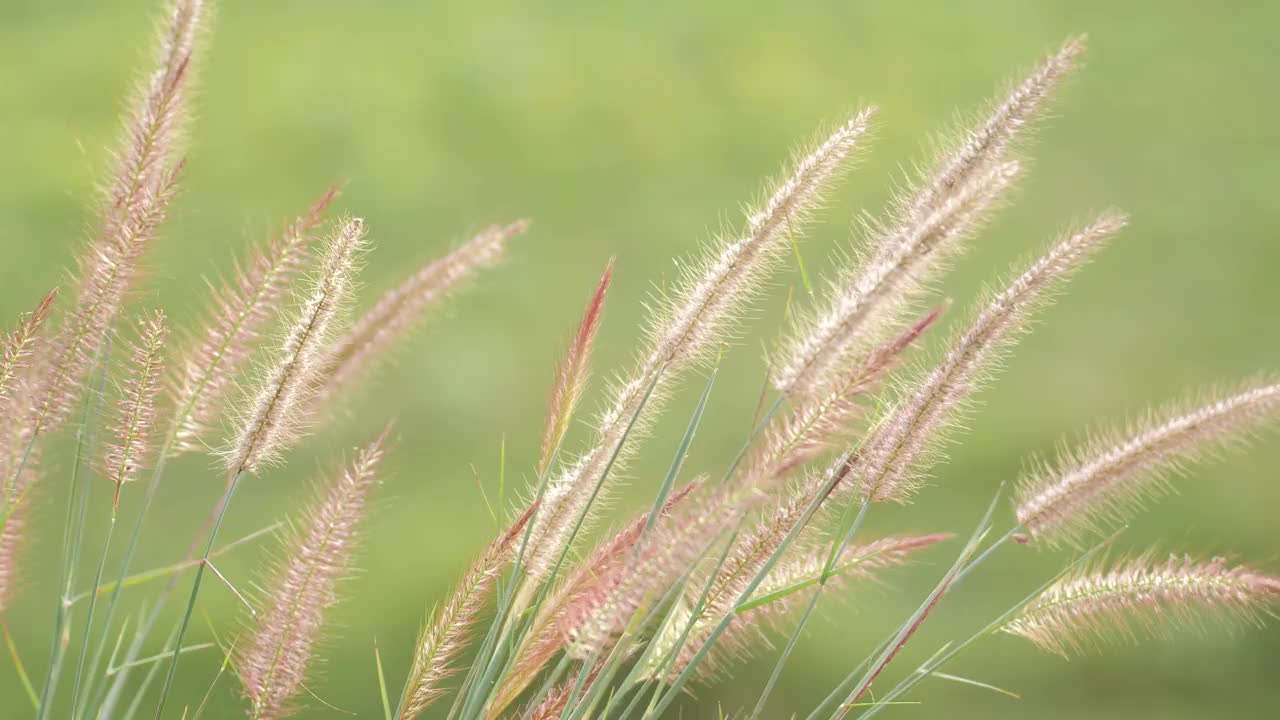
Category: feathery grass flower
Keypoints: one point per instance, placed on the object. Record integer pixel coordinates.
(892, 461)
(821, 420)
(572, 374)
(369, 340)
(876, 292)
(238, 313)
(575, 598)
(1112, 604)
(19, 347)
(275, 419)
(275, 657)
(135, 414)
(948, 205)
(1111, 475)
(135, 202)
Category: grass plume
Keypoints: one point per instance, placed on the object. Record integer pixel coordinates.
(238, 313)
(275, 417)
(903, 445)
(276, 655)
(399, 310)
(1111, 475)
(443, 639)
(572, 374)
(135, 414)
(1141, 595)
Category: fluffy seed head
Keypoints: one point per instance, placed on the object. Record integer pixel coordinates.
(572, 374)
(1117, 603)
(401, 308)
(135, 413)
(577, 598)
(18, 456)
(19, 347)
(274, 419)
(892, 462)
(1110, 476)
(275, 657)
(1007, 121)
(238, 313)
(11, 539)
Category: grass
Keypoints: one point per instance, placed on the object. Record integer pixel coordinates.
(1097, 137)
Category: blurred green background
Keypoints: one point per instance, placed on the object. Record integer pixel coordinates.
(638, 130)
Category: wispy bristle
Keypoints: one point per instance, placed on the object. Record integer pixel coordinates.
(134, 203)
(274, 659)
(894, 460)
(1110, 476)
(1006, 122)
(705, 306)
(553, 705)
(1108, 605)
(274, 419)
(238, 313)
(135, 414)
(19, 347)
(445, 637)
(572, 374)
(394, 316)
(815, 426)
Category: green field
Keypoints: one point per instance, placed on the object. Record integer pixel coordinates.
(638, 131)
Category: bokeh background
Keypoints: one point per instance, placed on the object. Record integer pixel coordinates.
(638, 130)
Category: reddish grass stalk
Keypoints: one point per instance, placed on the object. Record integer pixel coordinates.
(574, 600)
(572, 374)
